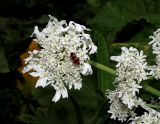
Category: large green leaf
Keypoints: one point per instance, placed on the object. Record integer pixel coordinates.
(116, 14)
(28, 119)
(57, 113)
(104, 79)
(131, 22)
(49, 112)
(43, 95)
(87, 97)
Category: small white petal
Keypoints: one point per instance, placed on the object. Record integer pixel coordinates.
(64, 92)
(65, 29)
(35, 51)
(38, 69)
(77, 85)
(41, 82)
(70, 86)
(35, 74)
(57, 96)
(87, 69)
(36, 31)
(93, 49)
(27, 68)
(86, 36)
(78, 27)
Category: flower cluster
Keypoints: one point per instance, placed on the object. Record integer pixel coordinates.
(155, 42)
(65, 50)
(155, 69)
(118, 110)
(131, 70)
(131, 65)
(153, 117)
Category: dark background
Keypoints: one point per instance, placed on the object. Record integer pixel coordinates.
(17, 21)
(114, 23)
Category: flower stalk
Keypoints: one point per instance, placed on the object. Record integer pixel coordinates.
(151, 90)
(113, 72)
(102, 67)
(153, 106)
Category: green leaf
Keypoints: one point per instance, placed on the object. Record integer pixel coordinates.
(43, 95)
(58, 113)
(94, 3)
(28, 119)
(104, 79)
(114, 15)
(3, 62)
(87, 97)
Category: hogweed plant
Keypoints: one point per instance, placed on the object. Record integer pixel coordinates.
(65, 56)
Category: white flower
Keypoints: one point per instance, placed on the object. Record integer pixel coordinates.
(126, 93)
(155, 69)
(131, 65)
(122, 103)
(155, 42)
(152, 117)
(120, 111)
(63, 57)
(131, 70)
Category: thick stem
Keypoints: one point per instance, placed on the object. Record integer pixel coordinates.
(151, 90)
(102, 67)
(153, 106)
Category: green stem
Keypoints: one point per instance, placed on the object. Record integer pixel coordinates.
(151, 90)
(113, 72)
(102, 67)
(153, 106)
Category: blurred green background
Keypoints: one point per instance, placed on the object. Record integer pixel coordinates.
(114, 23)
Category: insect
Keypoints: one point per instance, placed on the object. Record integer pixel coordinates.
(75, 59)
